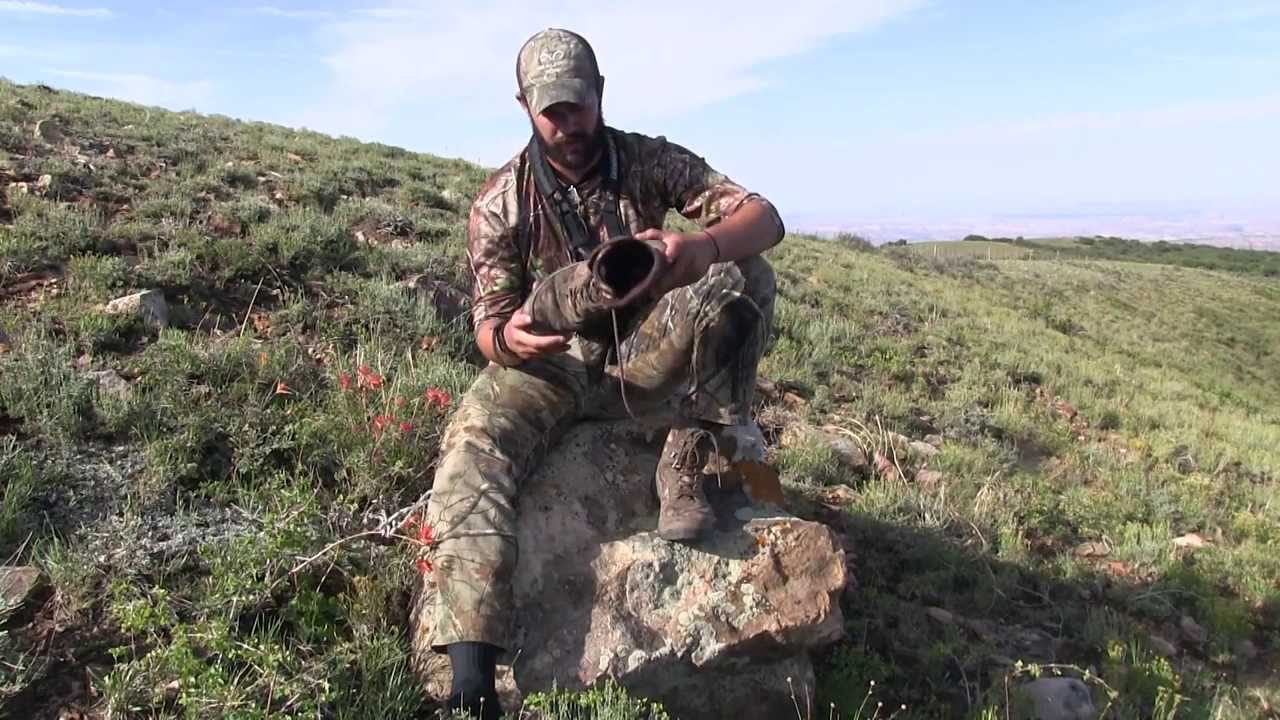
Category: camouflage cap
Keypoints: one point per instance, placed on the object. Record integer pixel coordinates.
(557, 66)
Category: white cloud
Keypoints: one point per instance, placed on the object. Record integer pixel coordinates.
(140, 88)
(38, 8)
(274, 11)
(660, 58)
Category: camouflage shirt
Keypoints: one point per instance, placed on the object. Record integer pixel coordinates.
(655, 176)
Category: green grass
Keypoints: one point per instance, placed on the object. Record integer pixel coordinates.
(169, 519)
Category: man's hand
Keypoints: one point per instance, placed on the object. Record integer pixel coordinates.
(690, 255)
(528, 345)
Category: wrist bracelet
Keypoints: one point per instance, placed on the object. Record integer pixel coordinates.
(500, 349)
(713, 242)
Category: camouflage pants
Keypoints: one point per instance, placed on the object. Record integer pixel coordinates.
(698, 347)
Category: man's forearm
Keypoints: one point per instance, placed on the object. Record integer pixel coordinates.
(749, 231)
(487, 341)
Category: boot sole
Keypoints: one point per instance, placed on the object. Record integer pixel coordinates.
(685, 534)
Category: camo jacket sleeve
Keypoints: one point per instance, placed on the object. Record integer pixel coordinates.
(694, 189)
(493, 250)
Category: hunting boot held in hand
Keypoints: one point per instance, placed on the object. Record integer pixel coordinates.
(684, 512)
(579, 297)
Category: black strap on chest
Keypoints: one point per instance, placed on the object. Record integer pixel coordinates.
(564, 214)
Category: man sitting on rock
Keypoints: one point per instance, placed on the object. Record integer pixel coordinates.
(586, 308)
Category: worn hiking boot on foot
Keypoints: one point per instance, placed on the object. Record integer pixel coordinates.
(578, 297)
(684, 513)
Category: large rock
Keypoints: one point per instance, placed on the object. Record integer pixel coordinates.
(715, 630)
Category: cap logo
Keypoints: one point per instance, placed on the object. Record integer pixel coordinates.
(548, 56)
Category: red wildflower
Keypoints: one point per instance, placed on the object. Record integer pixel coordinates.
(406, 427)
(373, 381)
(437, 398)
(426, 535)
(344, 381)
(363, 371)
(282, 388)
(424, 565)
(380, 423)
(400, 402)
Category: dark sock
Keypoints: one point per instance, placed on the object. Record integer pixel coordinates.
(474, 669)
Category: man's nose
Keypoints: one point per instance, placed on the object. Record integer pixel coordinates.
(570, 123)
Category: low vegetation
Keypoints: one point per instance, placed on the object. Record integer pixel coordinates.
(1104, 503)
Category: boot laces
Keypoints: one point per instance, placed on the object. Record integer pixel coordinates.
(688, 458)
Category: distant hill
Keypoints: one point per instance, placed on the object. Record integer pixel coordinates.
(1207, 257)
(1068, 464)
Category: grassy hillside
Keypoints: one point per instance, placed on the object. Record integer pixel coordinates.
(1105, 500)
(1205, 257)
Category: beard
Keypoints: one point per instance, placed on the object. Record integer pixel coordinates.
(576, 152)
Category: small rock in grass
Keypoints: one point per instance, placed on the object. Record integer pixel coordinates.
(943, 616)
(1162, 646)
(1192, 630)
(18, 586)
(928, 478)
(1191, 540)
(1092, 549)
(110, 383)
(1057, 698)
(923, 449)
(150, 305)
(1246, 650)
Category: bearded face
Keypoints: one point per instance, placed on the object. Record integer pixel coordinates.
(571, 136)
(575, 151)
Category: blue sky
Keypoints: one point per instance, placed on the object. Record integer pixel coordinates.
(891, 109)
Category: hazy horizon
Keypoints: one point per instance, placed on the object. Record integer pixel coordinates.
(1144, 118)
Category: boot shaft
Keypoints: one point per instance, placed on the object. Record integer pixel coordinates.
(577, 298)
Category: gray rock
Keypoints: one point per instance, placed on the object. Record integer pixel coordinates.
(943, 616)
(715, 629)
(149, 305)
(19, 585)
(449, 302)
(923, 450)
(1056, 698)
(1246, 650)
(1162, 646)
(1192, 631)
(110, 383)
(848, 452)
(929, 478)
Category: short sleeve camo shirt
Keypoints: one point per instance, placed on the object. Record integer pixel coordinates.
(657, 176)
